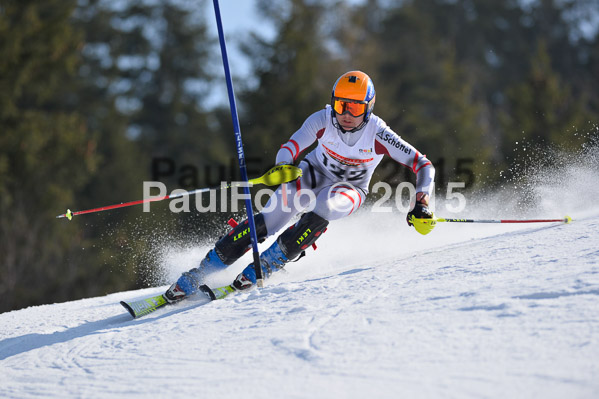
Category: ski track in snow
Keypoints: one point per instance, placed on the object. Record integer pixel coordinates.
(493, 311)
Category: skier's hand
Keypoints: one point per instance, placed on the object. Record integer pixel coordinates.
(421, 217)
(420, 211)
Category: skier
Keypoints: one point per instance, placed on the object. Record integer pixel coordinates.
(351, 143)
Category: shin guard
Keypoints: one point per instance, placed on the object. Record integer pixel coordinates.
(238, 241)
(301, 235)
(226, 251)
(288, 246)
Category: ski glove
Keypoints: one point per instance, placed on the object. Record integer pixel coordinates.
(420, 211)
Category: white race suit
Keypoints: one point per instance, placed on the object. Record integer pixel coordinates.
(337, 172)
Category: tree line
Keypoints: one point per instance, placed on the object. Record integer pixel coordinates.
(96, 97)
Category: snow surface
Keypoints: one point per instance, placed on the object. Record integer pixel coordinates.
(469, 311)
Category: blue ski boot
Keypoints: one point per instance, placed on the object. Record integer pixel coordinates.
(190, 281)
(289, 246)
(226, 251)
(271, 260)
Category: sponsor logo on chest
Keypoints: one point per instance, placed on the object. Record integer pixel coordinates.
(346, 160)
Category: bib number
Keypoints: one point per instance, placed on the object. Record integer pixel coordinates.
(341, 173)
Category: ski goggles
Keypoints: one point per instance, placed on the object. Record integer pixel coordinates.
(342, 106)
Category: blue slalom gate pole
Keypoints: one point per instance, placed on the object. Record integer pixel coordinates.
(239, 143)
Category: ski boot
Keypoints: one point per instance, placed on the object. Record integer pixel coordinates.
(226, 251)
(273, 259)
(190, 281)
(289, 246)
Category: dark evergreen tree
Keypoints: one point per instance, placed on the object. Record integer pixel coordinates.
(46, 153)
(293, 75)
(426, 95)
(145, 76)
(543, 109)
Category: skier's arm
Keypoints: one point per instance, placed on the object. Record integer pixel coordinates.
(388, 142)
(302, 139)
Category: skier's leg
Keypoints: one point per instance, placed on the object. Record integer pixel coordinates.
(287, 247)
(227, 250)
(339, 200)
(290, 199)
(334, 202)
(280, 209)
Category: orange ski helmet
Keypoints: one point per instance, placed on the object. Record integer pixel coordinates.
(353, 92)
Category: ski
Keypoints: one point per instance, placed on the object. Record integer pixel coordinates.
(217, 293)
(145, 306)
(148, 305)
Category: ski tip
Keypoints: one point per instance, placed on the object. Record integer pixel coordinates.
(126, 306)
(208, 291)
(567, 219)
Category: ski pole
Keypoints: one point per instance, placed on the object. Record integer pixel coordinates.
(566, 219)
(277, 175)
(425, 226)
(239, 143)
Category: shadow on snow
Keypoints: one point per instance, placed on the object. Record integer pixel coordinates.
(28, 342)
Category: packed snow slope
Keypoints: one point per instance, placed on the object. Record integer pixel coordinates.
(512, 314)
(468, 311)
